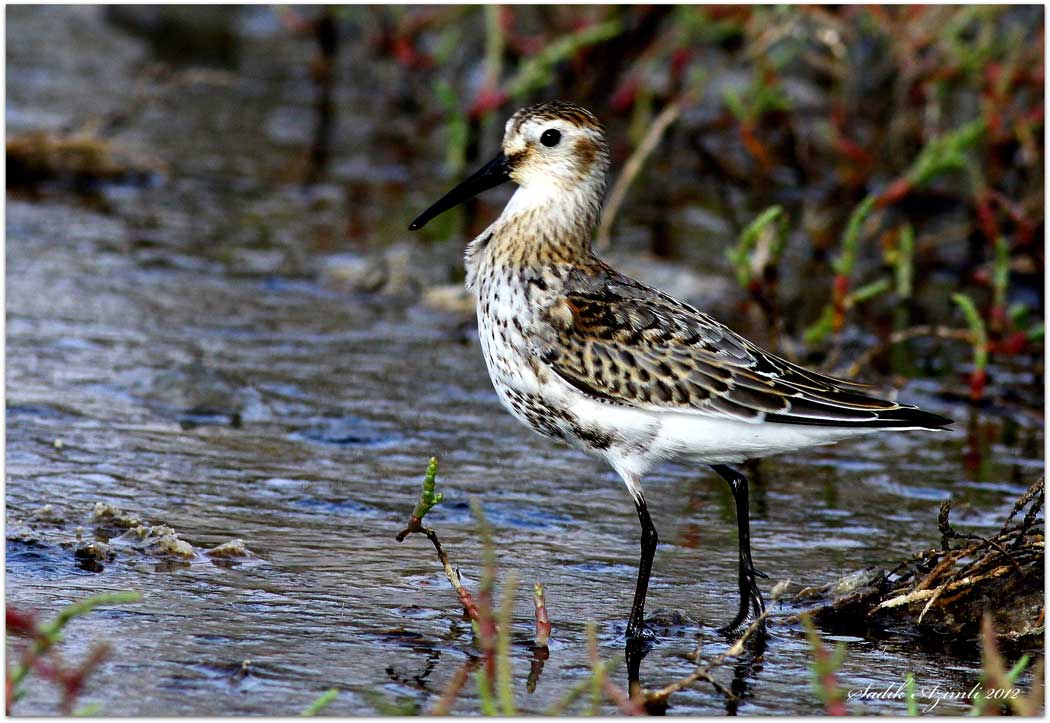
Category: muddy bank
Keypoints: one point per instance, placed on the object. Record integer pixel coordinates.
(942, 593)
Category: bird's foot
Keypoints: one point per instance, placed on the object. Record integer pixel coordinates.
(637, 647)
(740, 625)
(746, 616)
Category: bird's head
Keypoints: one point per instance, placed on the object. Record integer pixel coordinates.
(550, 150)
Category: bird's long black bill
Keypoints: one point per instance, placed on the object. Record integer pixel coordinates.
(492, 174)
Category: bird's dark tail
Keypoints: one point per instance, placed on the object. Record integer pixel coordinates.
(899, 417)
(912, 417)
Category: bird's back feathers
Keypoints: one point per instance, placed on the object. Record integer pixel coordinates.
(622, 342)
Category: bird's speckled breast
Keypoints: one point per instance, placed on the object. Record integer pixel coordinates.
(508, 299)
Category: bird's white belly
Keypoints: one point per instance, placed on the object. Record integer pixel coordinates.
(644, 438)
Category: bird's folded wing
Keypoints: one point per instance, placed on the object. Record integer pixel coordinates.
(628, 344)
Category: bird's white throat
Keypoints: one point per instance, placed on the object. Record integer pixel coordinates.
(551, 204)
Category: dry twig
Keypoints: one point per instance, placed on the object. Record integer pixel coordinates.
(427, 500)
(703, 672)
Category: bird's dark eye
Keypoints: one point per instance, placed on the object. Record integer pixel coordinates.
(550, 137)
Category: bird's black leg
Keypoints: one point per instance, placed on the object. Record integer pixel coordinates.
(751, 605)
(639, 636)
(636, 629)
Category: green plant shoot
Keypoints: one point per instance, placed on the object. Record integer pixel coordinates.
(429, 498)
(321, 702)
(977, 328)
(738, 254)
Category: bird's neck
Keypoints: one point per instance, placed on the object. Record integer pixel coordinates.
(545, 225)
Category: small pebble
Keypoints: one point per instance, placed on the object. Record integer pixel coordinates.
(47, 514)
(233, 548)
(95, 552)
(170, 544)
(110, 515)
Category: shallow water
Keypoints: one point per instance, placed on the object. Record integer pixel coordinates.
(190, 388)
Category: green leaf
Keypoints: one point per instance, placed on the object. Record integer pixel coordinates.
(738, 255)
(977, 328)
(504, 678)
(1001, 270)
(731, 97)
(909, 695)
(323, 701)
(945, 153)
(903, 267)
(867, 291)
(1018, 668)
(843, 263)
(819, 330)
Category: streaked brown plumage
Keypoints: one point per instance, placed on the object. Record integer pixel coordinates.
(624, 342)
(581, 353)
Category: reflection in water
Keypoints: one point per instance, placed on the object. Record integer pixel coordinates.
(417, 679)
(539, 657)
(746, 667)
(748, 651)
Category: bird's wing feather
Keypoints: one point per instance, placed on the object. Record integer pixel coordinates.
(625, 343)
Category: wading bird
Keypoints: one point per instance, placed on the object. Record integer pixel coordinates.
(581, 353)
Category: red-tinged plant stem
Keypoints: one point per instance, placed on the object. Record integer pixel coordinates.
(470, 607)
(624, 95)
(72, 681)
(539, 657)
(1010, 345)
(504, 678)
(997, 317)
(755, 146)
(825, 665)
(840, 293)
(486, 626)
(486, 632)
(894, 192)
(1025, 227)
(996, 677)
(979, 333)
(487, 100)
(601, 683)
(680, 58)
(20, 623)
(39, 657)
(543, 623)
(455, 686)
(986, 216)
(978, 381)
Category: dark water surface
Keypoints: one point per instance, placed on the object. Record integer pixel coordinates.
(196, 373)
